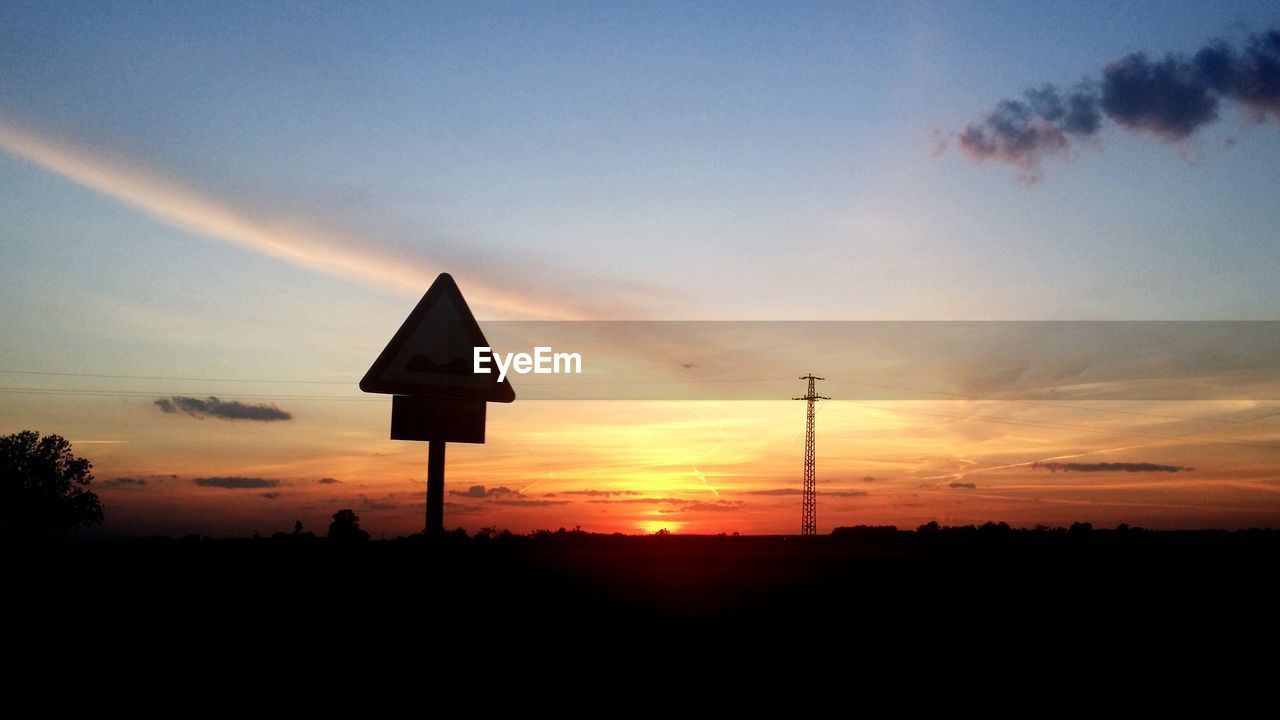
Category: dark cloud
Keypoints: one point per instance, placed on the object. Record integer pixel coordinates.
(776, 491)
(329, 481)
(515, 502)
(237, 483)
(212, 407)
(479, 491)
(1130, 467)
(271, 495)
(1022, 132)
(843, 493)
(962, 486)
(595, 493)
(125, 482)
(868, 479)
(1251, 76)
(1170, 98)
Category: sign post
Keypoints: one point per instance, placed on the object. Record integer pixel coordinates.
(428, 368)
(435, 487)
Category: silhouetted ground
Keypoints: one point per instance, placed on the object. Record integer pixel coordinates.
(1038, 590)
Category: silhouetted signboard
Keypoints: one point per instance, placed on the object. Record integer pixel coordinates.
(418, 418)
(433, 353)
(429, 366)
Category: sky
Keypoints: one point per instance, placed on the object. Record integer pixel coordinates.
(245, 200)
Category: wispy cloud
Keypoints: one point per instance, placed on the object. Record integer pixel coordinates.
(187, 209)
(682, 504)
(594, 493)
(1129, 467)
(237, 483)
(715, 506)
(212, 407)
(798, 491)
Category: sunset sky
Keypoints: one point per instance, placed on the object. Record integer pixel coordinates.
(245, 200)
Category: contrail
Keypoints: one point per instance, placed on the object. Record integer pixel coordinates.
(187, 210)
(700, 417)
(549, 473)
(699, 474)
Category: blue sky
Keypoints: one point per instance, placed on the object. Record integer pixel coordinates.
(262, 190)
(700, 161)
(634, 160)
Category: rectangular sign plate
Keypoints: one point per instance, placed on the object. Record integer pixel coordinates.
(441, 419)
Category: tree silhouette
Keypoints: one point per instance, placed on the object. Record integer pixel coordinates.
(1080, 530)
(43, 486)
(346, 527)
(929, 529)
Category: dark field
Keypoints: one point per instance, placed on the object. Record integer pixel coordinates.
(1131, 587)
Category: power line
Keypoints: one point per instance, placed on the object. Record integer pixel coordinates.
(1079, 428)
(73, 392)
(1051, 403)
(347, 383)
(130, 394)
(144, 394)
(962, 396)
(166, 377)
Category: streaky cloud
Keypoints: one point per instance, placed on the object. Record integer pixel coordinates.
(188, 210)
(237, 482)
(1129, 467)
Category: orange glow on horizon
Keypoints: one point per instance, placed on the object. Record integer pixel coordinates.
(629, 467)
(650, 527)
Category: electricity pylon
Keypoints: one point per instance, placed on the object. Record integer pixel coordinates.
(809, 510)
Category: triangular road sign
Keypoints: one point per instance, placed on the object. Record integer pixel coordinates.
(432, 354)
